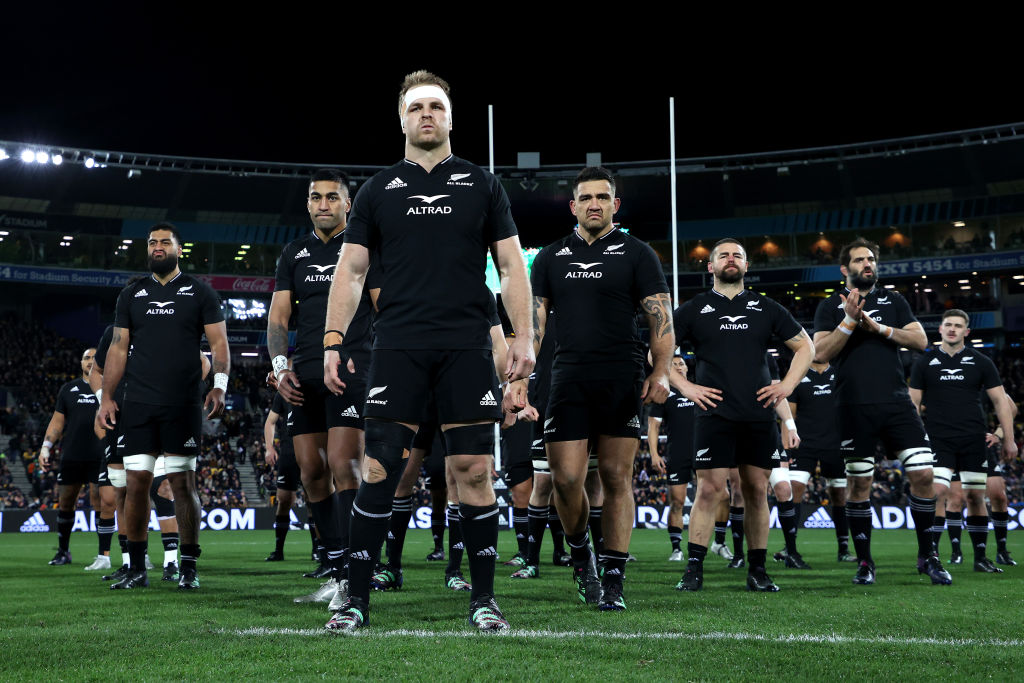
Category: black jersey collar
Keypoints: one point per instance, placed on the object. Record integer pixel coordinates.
(743, 292)
(315, 236)
(576, 231)
(440, 163)
(874, 289)
(168, 282)
(952, 355)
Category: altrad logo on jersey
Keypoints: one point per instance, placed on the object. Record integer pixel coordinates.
(584, 271)
(429, 209)
(161, 308)
(733, 323)
(820, 389)
(321, 273)
(950, 373)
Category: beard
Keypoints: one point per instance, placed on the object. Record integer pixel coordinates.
(864, 282)
(731, 277)
(163, 266)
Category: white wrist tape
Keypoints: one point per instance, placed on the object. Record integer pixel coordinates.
(791, 424)
(220, 381)
(280, 364)
(47, 444)
(99, 395)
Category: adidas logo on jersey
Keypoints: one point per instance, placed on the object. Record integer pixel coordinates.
(191, 443)
(805, 379)
(395, 184)
(708, 309)
(360, 555)
(141, 292)
(302, 254)
(935, 361)
(488, 399)
(635, 422)
(819, 519)
(489, 551)
(74, 388)
(35, 523)
(564, 251)
(350, 412)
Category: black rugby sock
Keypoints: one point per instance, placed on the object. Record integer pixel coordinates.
(756, 560)
(787, 520)
(328, 520)
(937, 528)
(922, 510)
(999, 522)
(536, 524)
(105, 530)
(675, 537)
(437, 531)
(137, 555)
(954, 521)
(480, 532)
(65, 520)
(579, 547)
(614, 566)
(311, 523)
(720, 529)
(842, 527)
(736, 522)
(189, 555)
(370, 523)
(401, 513)
(343, 502)
(281, 524)
(859, 515)
(455, 543)
(557, 531)
(977, 529)
(696, 553)
(596, 532)
(521, 523)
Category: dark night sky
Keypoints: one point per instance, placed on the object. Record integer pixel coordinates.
(234, 88)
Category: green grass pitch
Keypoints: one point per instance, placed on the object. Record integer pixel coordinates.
(61, 623)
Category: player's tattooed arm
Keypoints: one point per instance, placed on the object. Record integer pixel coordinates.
(540, 320)
(659, 315)
(277, 323)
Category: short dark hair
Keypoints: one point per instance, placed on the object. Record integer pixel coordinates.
(330, 175)
(844, 253)
(168, 227)
(593, 173)
(956, 313)
(729, 240)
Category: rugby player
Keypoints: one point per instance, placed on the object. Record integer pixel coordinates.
(162, 318)
(430, 213)
(326, 430)
(730, 329)
(81, 457)
(814, 407)
(677, 415)
(281, 456)
(946, 384)
(596, 279)
(996, 490)
(861, 331)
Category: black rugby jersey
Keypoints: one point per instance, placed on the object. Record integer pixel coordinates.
(101, 360)
(306, 269)
(429, 234)
(868, 369)
(731, 338)
(596, 289)
(816, 411)
(952, 388)
(166, 324)
(677, 413)
(281, 407)
(78, 405)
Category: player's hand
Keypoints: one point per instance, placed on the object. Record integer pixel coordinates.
(1009, 450)
(655, 389)
(790, 439)
(214, 403)
(332, 379)
(521, 359)
(44, 457)
(853, 304)
(272, 380)
(868, 324)
(991, 439)
(704, 397)
(288, 386)
(509, 419)
(529, 414)
(97, 427)
(658, 463)
(773, 393)
(270, 457)
(514, 398)
(107, 415)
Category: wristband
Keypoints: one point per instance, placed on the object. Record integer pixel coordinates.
(846, 329)
(280, 364)
(334, 347)
(327, 332)
(47, 444)
(220, 381)
(791, 424)
(330, 332)
(99, 395)
(885, 330)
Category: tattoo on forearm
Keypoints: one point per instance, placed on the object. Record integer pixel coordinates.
(799, 337)
(656, 307)
(277, 340)
(116, 338)
(538, 303)
(219, 365)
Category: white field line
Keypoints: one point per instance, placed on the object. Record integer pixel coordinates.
(830, 638)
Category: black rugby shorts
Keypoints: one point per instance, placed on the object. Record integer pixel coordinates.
(897, 425)
(807, 460)
(961, 454)
(288, 475)
(161, 430)
(321, 410)
(722, 443)
(78, 472)
(586, 409)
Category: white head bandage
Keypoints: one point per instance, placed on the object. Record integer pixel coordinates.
(421, 91)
